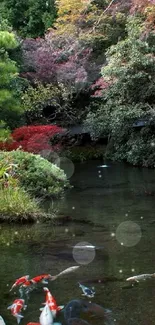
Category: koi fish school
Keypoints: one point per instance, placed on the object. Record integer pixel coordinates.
(51, 308)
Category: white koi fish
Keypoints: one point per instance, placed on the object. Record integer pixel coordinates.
(140, 277)
(2, 321)
(66, 271)
(32, 323)
(46, 317)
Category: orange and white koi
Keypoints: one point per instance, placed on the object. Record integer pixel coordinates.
(137, 278)
(51, 302)
(20, 281)
(16, 308)
(41, 278)
(27, 284)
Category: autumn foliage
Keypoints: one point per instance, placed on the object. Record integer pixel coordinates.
(147, 8)
(55, 60)
(32, 138)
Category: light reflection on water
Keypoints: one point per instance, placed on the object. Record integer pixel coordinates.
(122, 194)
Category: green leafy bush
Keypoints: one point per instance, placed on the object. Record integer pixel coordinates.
(141, 149)
(37, 175)
(138, 149)
(10, 108)
(5, 133)
(128, 98)
(35, 99)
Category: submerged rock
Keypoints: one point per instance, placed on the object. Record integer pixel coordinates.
(76, 307)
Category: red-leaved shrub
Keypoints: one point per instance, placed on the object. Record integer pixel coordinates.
(34, 138)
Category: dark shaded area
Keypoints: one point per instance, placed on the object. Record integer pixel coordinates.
(75, 308)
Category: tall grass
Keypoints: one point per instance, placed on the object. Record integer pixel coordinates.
(16, 205)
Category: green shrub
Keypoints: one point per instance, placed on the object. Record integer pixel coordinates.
(37, 175)
(138, 149)
(5, 133)
(17, 206)
(127, 95)
(141, 150)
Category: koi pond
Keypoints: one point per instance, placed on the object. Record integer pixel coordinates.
(111, 208)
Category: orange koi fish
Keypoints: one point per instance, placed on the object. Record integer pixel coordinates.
(27, 284)
(16, 308)
(41, 278)
(51, 302)
(20, 281)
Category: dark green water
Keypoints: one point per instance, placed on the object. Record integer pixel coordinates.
(121, 193)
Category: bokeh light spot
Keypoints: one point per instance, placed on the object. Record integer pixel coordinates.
(66, 165)
(84, 253)
(128, 233)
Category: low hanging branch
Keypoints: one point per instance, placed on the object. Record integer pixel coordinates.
(110, 4)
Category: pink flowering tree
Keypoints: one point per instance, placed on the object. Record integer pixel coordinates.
(64, 63)
(55, 60)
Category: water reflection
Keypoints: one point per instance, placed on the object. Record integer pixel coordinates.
(122, 194)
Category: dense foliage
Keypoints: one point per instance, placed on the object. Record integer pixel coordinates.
(10, 109)
(16, 204)
(29, 18)
(129, 96)
(81, 60)
(33, 139)
(37, 175)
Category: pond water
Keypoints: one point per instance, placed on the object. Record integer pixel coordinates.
(113, 209)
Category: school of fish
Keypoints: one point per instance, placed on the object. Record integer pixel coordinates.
(49, 312)
(26, 285)
(51, 308)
